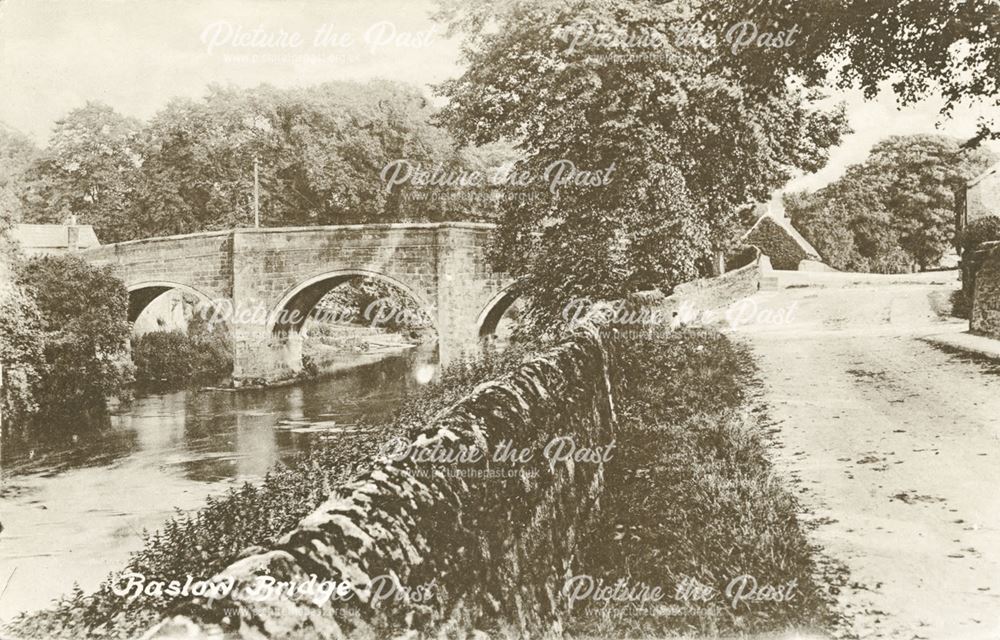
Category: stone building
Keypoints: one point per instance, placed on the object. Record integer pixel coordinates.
(979, 198)
(46, 239)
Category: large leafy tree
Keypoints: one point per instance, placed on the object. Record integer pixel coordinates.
(688, 145)
(88, 169)
(320, 151)
(946, 49)
(16, 154)
(895, 211)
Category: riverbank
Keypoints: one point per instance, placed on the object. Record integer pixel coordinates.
(689, 481)
(73, 511)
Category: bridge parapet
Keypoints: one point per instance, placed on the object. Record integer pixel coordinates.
(259, 273)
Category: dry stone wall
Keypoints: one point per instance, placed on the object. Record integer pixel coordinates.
(985, 318)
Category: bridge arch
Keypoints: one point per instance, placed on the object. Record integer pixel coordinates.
(489, 318)
(141, 294)
(290, 313)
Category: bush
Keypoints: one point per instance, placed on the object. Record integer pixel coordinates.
(774, 242)
(961, 306)
(741, 257)
(978, 231)
(82, 316)
(20, 354)
(174, 357)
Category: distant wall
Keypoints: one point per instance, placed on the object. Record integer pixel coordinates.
(985, 318)
(714, 293)
(709, 294)
(499, 548)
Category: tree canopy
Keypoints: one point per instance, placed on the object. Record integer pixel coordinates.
(893, 212)
(16, 153)
(320, 150)
(609, 86)
(944, 49)
(79, 311)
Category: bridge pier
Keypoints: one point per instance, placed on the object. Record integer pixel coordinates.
(260, 357)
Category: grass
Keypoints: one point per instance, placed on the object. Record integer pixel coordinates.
(692, 500)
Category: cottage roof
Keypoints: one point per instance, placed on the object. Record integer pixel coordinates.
(52, 236)
(993, 170)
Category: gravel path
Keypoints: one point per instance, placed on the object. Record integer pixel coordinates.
(895, 449)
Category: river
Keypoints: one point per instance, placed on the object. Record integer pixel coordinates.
(73, 512)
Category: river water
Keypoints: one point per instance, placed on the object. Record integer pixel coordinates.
(72, 512)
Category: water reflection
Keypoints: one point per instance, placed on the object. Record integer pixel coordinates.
(73, 511)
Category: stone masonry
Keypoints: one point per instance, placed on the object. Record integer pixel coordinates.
(254, 277)
(985, 318)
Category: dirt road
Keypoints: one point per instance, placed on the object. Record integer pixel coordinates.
(895, 448)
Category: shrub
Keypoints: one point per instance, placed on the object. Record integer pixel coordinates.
(175, 357)
(82, 314)
(20, 354)
(978, 231)
(741, 257)
(774, 242)
(961, 306)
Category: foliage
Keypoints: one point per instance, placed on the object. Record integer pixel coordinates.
(985, 229)
(177, 358)
(741, 256)
(16, 153)
(959, 305)
(892, 212)
(774, 242)
(82, 312)
(690, 469)
(681, 148)
(947, 49)
(190, 168)
(20, 350)
(366, 300)
(89, 169)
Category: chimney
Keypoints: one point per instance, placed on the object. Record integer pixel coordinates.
(72, 234)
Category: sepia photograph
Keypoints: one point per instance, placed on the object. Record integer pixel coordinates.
(499, 319)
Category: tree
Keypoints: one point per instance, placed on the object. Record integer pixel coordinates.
(87, 169)
(948, 49)
(680, 148)
(20, 350)
(82, 311)
(320, 149)
(16, 153)
(895, 210)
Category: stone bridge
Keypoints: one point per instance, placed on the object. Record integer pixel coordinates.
(271, 277)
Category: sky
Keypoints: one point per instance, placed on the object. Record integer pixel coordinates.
(55, 55)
